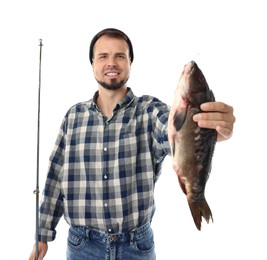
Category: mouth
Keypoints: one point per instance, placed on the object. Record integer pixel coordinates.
(112, 74)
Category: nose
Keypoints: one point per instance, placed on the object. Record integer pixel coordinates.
(112, 62)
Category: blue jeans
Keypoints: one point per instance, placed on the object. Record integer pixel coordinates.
(85, 243)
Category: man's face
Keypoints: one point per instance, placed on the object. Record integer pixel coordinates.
(111, 62)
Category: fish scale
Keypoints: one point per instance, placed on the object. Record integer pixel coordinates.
(192, 147)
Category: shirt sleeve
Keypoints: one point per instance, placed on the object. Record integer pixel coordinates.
(51, 208)
(161, 110)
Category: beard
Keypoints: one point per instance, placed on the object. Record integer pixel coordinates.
(114, 85)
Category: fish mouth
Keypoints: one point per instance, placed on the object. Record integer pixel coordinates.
(190, 66)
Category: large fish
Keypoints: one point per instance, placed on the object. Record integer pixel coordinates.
(192, 147)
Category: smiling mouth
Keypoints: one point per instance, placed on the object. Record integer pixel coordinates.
(111, 74)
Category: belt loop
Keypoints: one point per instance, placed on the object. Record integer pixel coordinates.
(132, 234)
(87, 233)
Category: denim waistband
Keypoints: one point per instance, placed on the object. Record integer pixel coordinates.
(89, 233)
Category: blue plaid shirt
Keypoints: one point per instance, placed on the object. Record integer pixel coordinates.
(102, 171)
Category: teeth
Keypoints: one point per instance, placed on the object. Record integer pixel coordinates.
(112, 74)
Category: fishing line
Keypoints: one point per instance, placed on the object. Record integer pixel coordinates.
(196, 56)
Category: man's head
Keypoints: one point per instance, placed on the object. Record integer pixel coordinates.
(111, 56)
(114, 33)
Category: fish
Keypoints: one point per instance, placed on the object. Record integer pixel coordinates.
(192, 147)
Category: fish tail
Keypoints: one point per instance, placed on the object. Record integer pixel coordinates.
(199, 210)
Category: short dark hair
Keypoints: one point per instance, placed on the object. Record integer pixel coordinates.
(112, 32)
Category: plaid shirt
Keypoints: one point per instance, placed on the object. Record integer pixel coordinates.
(102, 171)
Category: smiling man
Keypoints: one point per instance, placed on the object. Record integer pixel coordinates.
(107, 158)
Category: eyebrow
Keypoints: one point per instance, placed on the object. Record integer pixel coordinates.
(117, 53)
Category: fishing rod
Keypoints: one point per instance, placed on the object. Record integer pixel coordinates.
(36, 191)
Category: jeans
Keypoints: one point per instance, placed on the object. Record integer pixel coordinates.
(85, 243)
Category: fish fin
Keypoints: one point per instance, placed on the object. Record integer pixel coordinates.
(172, 148)
(179, 119)
(182, 185)
(199, 210)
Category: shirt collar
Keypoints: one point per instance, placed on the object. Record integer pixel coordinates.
(124, 102)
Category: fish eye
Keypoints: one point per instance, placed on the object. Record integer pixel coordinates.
(201, 78)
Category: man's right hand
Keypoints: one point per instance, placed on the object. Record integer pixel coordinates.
(42, 248)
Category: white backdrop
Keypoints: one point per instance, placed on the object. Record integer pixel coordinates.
(228, 41)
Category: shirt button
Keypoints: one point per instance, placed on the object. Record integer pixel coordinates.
(105, 149)
(105, 176)
(105, 204)
(109, 230)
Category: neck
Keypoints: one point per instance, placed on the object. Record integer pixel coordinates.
(108, 99)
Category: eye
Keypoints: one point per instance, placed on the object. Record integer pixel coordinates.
(120, 56)
(103, 56)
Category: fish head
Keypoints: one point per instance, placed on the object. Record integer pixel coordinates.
(194, 87)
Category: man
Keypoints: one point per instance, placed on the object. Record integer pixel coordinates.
(107, 158)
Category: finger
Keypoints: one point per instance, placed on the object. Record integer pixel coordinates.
(228, 118)
(214, 124)
(213, 116)
(217, 106)
(223, 133)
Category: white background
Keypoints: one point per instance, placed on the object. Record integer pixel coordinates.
(228, 41)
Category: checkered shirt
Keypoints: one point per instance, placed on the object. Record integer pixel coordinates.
(102, 171)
